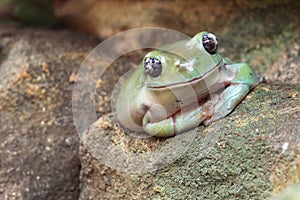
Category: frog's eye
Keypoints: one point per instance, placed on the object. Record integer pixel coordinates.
(210, 43)
(152, 67)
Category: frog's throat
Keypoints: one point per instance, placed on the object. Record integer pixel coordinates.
(187, 83)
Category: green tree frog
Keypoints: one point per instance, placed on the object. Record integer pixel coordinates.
(181, 85)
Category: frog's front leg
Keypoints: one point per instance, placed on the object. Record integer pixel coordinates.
(181, 121)
(241, 79)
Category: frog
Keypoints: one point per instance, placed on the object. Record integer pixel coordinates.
(181, 85)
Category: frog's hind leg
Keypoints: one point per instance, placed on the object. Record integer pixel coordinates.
(243, 81)
(163, 128)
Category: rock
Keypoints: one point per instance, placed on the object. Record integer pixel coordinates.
(251, 154)
(38, 140)
(105, 18)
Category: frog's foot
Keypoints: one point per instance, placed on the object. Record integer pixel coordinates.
(181, 121)
(242, 79)
(226, 102)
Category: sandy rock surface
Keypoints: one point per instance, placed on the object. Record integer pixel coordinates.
(251, 154)
(38, 140)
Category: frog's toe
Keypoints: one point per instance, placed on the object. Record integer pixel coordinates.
(207, 122)
(207, 112)
(213, 118)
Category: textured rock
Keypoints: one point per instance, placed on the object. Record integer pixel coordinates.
(105, 18)
(38, 141)
(249, 155)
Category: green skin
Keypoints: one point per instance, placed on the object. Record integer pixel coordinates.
(193, 88)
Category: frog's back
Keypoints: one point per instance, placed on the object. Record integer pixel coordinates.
(193, 52)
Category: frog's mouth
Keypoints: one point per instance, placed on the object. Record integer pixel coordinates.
(213, 74)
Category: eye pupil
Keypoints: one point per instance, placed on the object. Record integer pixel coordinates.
(152, 67)
(210, 43)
